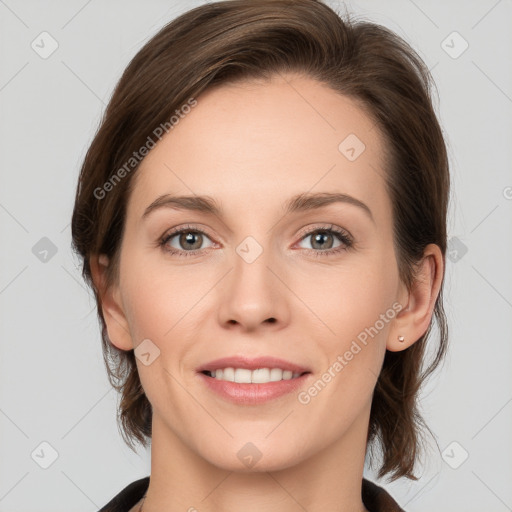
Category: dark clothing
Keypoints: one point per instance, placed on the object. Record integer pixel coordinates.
(375, 498)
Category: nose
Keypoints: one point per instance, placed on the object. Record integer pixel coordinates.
(253, 296)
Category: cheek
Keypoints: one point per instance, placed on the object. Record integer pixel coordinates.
(355, 309)
(348, 300)
(159, 298)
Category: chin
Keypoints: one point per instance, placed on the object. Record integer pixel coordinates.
(254, 457)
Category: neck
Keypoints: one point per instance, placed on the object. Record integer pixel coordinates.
(327, 480)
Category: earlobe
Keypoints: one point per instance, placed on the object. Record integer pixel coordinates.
(412, 321)
(111, 304)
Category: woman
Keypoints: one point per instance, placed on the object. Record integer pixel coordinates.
(262, 218)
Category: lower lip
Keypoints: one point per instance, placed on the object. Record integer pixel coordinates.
(253, 393)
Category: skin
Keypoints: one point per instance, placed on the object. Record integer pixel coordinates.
(251, 146)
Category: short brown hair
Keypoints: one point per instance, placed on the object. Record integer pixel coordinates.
(233, 40)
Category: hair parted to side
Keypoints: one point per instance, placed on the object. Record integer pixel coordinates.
(227, 41)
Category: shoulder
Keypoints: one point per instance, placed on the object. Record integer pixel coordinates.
(128, 497)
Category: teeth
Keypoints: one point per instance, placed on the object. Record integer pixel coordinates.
(258, 376)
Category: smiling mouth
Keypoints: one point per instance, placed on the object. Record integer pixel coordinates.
(256, 376)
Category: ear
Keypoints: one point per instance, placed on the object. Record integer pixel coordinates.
(413, 320)
(111, 304)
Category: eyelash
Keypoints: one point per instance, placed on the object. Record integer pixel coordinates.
(330, 229)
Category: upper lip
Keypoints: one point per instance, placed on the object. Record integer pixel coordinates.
(252, 364)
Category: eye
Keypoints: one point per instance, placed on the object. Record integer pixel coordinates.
(188, 241)
(322, 240)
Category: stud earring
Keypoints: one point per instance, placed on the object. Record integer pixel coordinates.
(401, 339)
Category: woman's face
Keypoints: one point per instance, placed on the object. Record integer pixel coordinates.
(260, 278)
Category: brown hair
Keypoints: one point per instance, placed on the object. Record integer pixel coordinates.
(232, 40)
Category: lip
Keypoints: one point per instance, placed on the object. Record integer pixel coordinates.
(252, 364)
(252, 394)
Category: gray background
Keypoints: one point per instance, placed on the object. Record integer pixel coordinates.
(53, 386)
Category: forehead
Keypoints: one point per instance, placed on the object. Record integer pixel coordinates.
(261, 142)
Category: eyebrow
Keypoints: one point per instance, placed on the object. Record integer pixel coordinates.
(298, 203)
